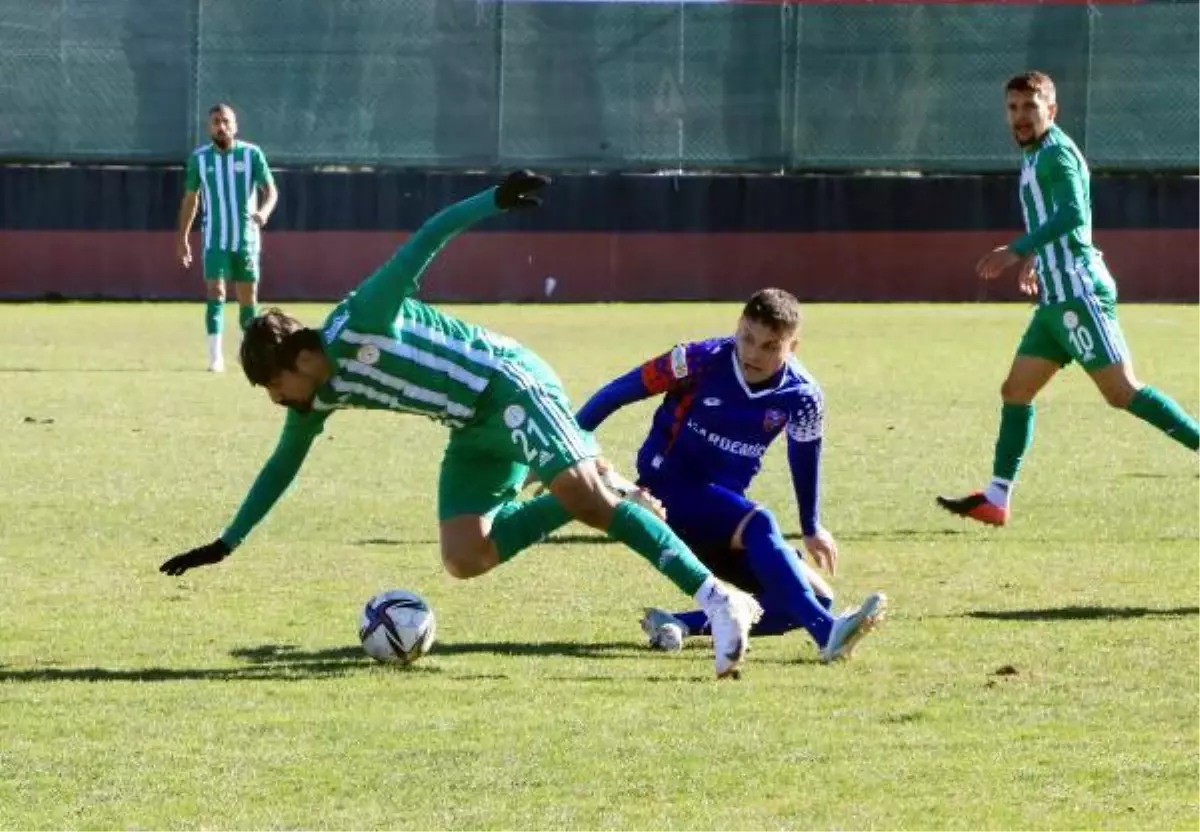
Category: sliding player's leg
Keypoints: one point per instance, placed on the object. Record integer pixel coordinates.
(719, 516)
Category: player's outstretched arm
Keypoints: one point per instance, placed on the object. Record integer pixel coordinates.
(1060, 167)
(667, 372)
(610, 398)
(383, 292)
(272, 481)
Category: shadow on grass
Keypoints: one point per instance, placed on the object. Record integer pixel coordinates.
(286, 662)
(893, 534)
(1082, 613)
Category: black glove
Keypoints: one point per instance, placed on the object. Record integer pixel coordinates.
(214, 552)
(519, 190)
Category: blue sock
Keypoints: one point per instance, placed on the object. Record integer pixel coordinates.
(696, 622)
(772, 623)
(787, 593)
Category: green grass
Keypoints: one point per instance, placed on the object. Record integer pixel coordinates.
(237, 696)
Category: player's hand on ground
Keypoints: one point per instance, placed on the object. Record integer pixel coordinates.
(1027, 280)
(519, 190)
(996, 262)
(183, 253)
(822, 548)
(214, 552)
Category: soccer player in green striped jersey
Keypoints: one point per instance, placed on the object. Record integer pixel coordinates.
(229, 173)
(1076, 316)
(508, 415)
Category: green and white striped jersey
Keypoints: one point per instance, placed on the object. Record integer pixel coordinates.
(390, 352)
(1056, 201)
(228, 181)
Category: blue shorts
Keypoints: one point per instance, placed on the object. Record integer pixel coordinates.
(705, 516)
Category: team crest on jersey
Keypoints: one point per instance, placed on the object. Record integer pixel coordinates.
(368, 354)
(773, 419)
(679, 365)
(240, 167)
(1070, 319)
(514, 416)
(712, 401)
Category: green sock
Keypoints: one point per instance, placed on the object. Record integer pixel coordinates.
(1165, 414)
(212, 317)
(246, 314)
(1016, 434)
(517, 526)
(653, 539)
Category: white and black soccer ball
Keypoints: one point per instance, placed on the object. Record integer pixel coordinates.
(397, 626)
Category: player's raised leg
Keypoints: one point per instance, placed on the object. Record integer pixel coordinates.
(214, 319)
(1121, 389)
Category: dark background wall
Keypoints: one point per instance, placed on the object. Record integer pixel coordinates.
(107, 232)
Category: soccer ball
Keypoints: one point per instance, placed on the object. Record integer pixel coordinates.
(397, 626)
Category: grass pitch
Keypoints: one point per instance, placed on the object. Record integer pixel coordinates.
(1044, 675)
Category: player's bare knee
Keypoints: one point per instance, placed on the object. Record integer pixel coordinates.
(467, 552)
(1120, 395)
(216, 290)
(465, 563)
(1014, 392)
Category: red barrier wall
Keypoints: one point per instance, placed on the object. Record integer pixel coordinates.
(1150, 265)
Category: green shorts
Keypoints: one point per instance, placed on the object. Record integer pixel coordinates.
(523, 421)
(1081, 329)
(240, 266)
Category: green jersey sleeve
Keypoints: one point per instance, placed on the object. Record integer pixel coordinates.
(378, 298)
(191, 178)
(260, 171)
(299, 431)
(1058, 168)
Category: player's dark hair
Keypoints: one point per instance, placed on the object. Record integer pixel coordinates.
(774, 308)
(1033, 82)
(271, 344)
(221, 105)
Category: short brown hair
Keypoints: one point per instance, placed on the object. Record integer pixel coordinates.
(1034, 82)
(774, 308)
(271, 344)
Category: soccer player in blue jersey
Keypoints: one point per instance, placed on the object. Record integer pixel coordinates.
(724, 401)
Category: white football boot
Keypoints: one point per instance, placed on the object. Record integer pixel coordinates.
(731, 613)
(665, 631)
(850, 627)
